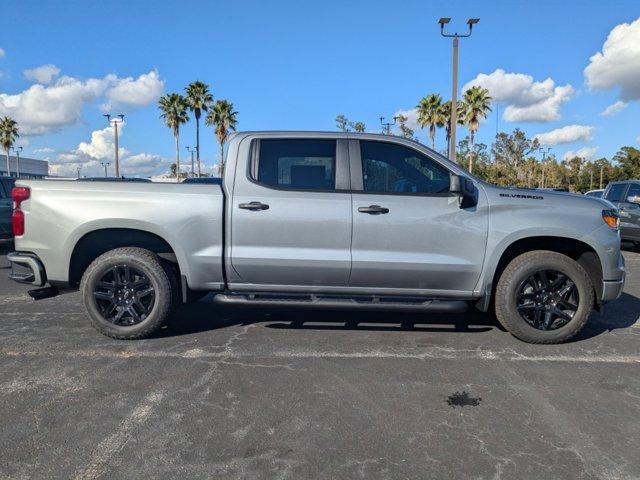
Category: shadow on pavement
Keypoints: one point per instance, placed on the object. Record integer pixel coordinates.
(205, 316)
(622, 313)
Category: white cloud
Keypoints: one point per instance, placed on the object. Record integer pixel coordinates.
(526, 100)
(102, 144)
(412, 118)
(568, 134)
(44, 150)
(618, 64)
(48, 108)
(2, 53)
(145, 164)
(90, 155)
(43, 74)
(138, 92)
(586, 153)
(614, 108)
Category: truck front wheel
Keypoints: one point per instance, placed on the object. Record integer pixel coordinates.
(127, 293)
(543, 297)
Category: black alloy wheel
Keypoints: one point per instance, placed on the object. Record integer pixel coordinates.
(124, 295)
(547, 299)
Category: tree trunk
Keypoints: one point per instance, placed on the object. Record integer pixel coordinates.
(471, 152)
(8, 165)
(177, 136)
(221, 158)
(198, 143)
(432, 134)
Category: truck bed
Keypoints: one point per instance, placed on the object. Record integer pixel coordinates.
(189, 217)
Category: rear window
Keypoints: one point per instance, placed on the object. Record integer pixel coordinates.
(298, 164)
(616, 192)
(7, 186)
(634, 191)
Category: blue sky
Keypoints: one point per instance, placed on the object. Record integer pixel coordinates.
(297, 64)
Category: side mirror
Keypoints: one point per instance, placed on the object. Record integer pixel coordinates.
(465, 189)
(634, 199)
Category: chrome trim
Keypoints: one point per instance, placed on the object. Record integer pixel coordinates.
(32, 262)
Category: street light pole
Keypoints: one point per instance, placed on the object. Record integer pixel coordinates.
(115, 122)
(192, 150)
(545, 151)
(105, 165)
(17, 152)
(454, 80)
(386, 127)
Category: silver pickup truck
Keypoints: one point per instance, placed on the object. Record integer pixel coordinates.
(321, 220)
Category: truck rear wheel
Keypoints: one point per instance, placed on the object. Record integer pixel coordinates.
(127, 293)
(543, 297)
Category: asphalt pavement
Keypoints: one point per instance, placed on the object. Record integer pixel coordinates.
(254, 394)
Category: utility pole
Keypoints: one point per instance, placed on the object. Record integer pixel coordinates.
(17, 152)
(192, 150)
(105, 165)
(386, 127)
(115, 122)
(545, 151)
(454, 83)
(78, 168)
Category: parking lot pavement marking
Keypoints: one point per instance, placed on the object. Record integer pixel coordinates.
(436, 353)
(116, 441)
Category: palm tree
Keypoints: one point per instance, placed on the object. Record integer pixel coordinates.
(430, 114)
(359, 127)
(8, 135)
(476, 107)
(223, 118)
(198, 99)
(174, 112)
(445, 111)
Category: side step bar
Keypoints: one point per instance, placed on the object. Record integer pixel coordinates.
(398, 304)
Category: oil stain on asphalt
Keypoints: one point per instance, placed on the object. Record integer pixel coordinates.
(462, 399)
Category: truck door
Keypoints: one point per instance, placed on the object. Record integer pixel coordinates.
(409, 232)
(630, 213)
(616, 194)
(291, 215)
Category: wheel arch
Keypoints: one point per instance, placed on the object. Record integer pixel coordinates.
(578, 250)
(96, 242)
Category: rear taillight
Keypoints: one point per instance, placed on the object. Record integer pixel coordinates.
(17, 220)
(19, 195)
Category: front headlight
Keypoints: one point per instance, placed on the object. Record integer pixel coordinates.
(611, 218)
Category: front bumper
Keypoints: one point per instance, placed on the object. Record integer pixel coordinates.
(27, 268)
(612, 289)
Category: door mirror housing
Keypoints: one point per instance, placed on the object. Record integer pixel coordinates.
(634, 199)
(465, 189)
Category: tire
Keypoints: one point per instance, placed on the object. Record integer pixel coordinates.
(524, 309)
(132, 303)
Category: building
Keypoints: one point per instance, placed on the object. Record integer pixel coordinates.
(29, 167)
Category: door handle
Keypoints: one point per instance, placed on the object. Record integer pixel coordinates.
(373, 210)
(254, 206)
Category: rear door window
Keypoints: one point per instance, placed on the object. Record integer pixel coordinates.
(616, 192)
(297, 164)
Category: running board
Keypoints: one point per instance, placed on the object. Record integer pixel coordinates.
(343, 303)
